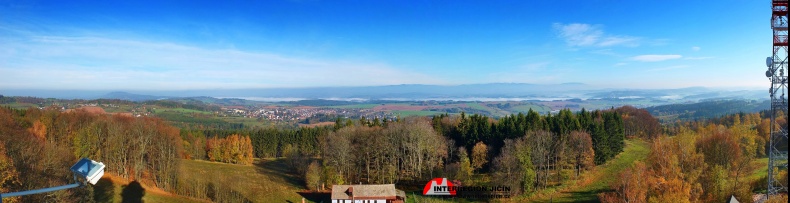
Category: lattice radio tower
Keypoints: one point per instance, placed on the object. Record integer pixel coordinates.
(777, 72)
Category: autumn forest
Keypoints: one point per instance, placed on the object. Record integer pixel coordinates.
(697, 161)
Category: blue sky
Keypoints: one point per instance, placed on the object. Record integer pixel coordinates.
(175, 45)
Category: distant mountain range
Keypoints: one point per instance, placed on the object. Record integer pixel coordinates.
(500, 91)
(131, 97)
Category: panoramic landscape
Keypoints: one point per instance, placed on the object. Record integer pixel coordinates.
(393, 101)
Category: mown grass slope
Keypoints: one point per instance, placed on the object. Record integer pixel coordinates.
(592, 182)
(267, 180)
(115, 189)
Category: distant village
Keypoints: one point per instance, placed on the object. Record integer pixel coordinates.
(293, 114)
(298, 113)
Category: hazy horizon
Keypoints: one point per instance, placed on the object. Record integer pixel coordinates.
(597, 87)
(413, 92)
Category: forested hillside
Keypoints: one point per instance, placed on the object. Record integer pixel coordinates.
(530, 153)
(701, 161)
(149, 150)
(40, 145)
(706, 109)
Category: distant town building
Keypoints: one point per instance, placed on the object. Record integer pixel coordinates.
(367, 194)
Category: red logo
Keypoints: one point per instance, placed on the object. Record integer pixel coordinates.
(439, 186)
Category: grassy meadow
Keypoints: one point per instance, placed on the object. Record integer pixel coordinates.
(590, 183)
(267, 180)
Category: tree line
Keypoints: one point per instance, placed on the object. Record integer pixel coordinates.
(606, 129)
(552, 148)
(38, 146)
(266, 142)
(232, 149)
(527, 152)
(548, 149)
(700, 161)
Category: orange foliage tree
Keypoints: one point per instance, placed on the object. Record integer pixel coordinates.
(630, 186)
(39, 130)
(9, 177)
(705, 161)
(232, 149)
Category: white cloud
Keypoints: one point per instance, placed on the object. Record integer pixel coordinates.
(579, 34)
(668, 68)
(698, 58)
(655, 57)
(695, 48)
(619, 40)
(102, 63)
(607, 52)
(620, 64)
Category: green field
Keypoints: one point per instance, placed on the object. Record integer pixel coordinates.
(355, 106)
(477, 106)
(180, 110)
(404, 113)
(119, 109)
(21, 105)
(495, 112)
(534, 107)
(419, 198)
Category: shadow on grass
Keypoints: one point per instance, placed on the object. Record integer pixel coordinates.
(278, 171)
(132, 193)
(585, 196)
(316, 196)
(104, 190)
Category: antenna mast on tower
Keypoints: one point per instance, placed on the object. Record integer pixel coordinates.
(777, 73)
